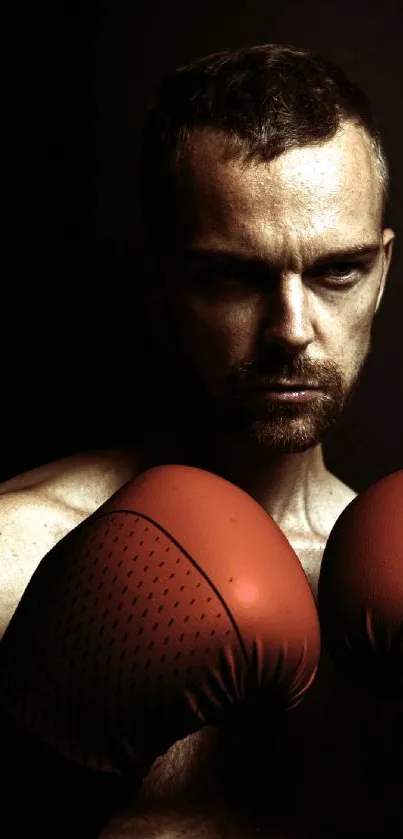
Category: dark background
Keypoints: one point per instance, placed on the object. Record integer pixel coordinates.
(78, 80)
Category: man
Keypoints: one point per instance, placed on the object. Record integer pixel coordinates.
(264, 185)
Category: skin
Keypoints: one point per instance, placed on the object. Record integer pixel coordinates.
(294, 316)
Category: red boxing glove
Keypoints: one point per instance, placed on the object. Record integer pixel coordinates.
(176, 603)
(360, 592)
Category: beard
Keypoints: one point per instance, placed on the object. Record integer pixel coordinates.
(199, 413)
(281, 426)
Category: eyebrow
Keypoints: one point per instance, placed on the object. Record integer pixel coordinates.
(353, 252)
(363, 250)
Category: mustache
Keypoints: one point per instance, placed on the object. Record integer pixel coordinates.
(271, 371)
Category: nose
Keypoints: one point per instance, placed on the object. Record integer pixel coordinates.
(288, 317)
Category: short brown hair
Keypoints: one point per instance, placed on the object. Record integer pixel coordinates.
(265, 99)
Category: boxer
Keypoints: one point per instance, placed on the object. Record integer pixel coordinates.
(266, 252)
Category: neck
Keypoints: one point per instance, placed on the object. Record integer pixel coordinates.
(286, 485)
(290, 487)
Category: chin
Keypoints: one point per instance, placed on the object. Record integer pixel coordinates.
(287, 437)
(291, 429)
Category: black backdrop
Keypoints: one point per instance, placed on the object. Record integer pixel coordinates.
(78, 79)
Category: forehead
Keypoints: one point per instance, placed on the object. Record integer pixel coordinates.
(323, 193)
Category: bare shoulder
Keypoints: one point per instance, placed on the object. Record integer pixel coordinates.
(39, 507)
(82, 480)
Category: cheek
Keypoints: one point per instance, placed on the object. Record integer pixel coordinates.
(347, 332)
(217, 335)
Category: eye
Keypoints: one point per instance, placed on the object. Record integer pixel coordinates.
(339, 273)
(343, 269)
(229, 273)
(221, 277)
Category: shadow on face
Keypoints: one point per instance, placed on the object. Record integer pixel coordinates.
(274, 281)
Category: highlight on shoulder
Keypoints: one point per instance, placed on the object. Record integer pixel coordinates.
(94, 467)
(42, 505)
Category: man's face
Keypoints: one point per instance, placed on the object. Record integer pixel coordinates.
(266, 305)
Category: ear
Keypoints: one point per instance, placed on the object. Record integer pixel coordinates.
(388, 238)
